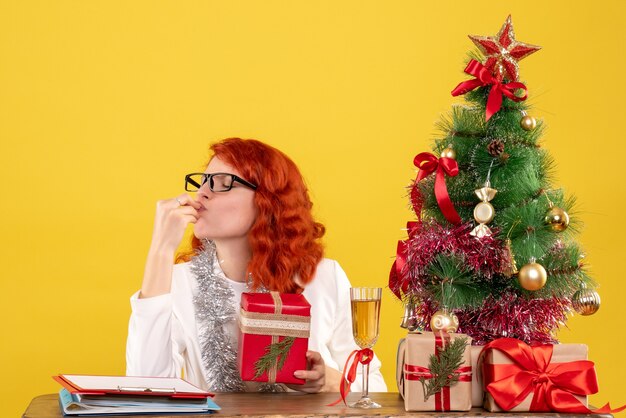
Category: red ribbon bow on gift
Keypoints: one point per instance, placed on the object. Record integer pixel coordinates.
(364, 357)
(485, 78)
(428, 163)
(553, 385)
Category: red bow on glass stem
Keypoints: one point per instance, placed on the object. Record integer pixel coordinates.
(364, 357)
(485, 78)
(428, 163)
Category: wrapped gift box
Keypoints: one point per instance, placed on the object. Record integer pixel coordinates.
(498, 366)
(412, 362)
(270, 318)
(477, 384)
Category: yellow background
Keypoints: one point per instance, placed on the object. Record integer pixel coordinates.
(105, 105)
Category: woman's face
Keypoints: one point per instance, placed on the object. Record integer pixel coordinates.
(224, 215)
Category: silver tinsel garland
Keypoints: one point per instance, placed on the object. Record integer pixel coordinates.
(215, 307)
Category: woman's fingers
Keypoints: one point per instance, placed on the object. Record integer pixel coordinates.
(188, 210)
(315, 376)
(190, 219)
(315, 360)
(186, 200)
(308, 374)
(172, 217)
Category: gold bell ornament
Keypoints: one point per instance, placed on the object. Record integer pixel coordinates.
(586, 301)
(532, 276)
(511, 267)
(409, 320)
(528, 123)
(442, 320)
(484, 211)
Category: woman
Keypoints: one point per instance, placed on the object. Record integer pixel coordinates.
(253, 231)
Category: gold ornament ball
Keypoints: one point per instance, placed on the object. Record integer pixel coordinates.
(528, 123)
(532, 276)
(586, 302)
(444, 321)
(448, 153)
(557, 218)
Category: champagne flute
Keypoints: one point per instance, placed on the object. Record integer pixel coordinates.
(365, 302)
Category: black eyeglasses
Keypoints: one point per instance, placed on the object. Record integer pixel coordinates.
(218, 182)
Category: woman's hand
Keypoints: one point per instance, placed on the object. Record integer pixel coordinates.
(316, 376)
(333, 380)
(170, 222)
(171, 219)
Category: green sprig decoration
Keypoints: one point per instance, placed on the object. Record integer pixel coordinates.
(452, 284)
(274, 354)
(443, 367)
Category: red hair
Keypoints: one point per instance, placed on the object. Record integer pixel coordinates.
(285, 239)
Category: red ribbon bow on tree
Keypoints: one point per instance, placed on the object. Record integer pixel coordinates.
(553, 384)
(364, 357)
(398, 277)
(485, 78)
(428, 163)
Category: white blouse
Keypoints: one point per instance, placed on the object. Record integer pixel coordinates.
(163, 337)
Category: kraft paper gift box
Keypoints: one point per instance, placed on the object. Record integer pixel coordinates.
(412, 362)
(496, 365)
(270, 318)
(477, 384)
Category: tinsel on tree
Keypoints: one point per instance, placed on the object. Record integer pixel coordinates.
(492, 251)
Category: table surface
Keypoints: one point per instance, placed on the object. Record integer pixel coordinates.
(295, 404)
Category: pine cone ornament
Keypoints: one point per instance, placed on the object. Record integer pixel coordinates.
(495, 148)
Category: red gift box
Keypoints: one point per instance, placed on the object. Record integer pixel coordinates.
(270, 318)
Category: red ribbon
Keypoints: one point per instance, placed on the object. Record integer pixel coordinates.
(485, 78)
(427, 164)
(415, 372)
(398, 275)
(442, 400)
(364, 357)
(397, 282)
(553, 384)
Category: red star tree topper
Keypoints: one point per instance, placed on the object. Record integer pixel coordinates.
(503, 51)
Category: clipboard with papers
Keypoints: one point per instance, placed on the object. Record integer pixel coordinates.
(130, 385)
(104, 395)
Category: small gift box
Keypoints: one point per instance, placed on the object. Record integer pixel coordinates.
(416, 380)
(274, 337)
(542, 378)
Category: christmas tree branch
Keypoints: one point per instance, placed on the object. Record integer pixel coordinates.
(452, 284)
(443, 367)
(275, 354)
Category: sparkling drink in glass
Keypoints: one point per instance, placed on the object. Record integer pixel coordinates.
(365, 302)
